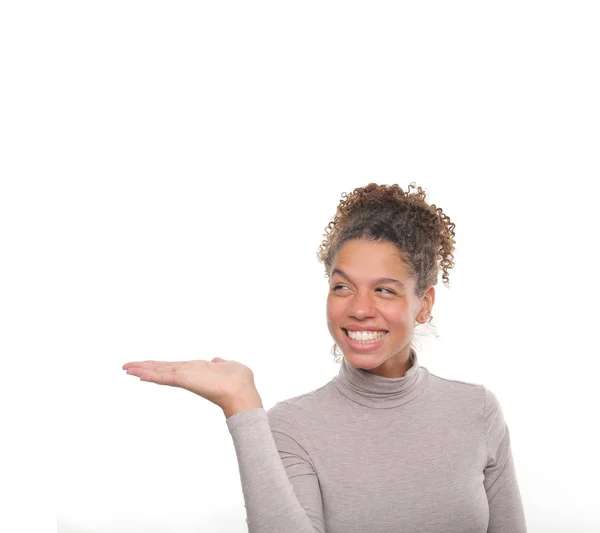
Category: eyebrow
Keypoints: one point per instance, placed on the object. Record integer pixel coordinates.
(380, 280)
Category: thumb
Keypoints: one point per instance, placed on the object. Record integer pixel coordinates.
(217, 360)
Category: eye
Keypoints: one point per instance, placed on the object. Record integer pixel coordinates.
(379, 288)
(384, 289)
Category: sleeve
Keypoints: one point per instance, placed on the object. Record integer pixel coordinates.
(280, 486)
(500, 481)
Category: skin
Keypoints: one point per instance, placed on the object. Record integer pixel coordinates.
(360, 300)
(226, 383)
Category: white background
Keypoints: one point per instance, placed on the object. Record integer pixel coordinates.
(168, 170)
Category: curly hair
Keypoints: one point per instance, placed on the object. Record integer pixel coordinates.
(422, 234)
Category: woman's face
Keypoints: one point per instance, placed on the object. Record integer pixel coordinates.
(359, 297)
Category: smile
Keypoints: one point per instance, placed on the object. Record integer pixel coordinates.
(364, 337)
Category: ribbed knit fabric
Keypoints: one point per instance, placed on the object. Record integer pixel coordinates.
(369, 454)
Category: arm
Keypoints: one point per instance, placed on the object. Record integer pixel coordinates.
(245, 402)
(500, 481)
(269, 447)
(280, 486)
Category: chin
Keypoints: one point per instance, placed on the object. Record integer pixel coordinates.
(364, 360)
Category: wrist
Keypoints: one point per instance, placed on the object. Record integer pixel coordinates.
(243, 402)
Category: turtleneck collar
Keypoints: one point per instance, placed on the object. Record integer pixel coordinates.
(379, 392)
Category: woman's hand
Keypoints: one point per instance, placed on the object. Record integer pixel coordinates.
(228, 384)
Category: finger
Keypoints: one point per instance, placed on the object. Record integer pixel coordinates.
(169, 368)
(153, 365)
(140, 371)
(175, 379)
(135, 371)
(139, 364)
(167, 375)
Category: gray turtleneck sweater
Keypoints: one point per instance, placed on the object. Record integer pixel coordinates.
(368, 454)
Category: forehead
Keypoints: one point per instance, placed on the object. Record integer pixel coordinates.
(370, 259)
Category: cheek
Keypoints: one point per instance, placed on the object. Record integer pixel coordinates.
(397, 315)
(330, 308)
(334, 310)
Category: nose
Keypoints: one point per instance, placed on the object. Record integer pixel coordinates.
(362, 306)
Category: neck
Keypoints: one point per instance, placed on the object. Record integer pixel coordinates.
(370, 390)
(394, 367)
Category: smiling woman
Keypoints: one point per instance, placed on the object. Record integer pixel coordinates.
(399, 238)
(384, 446)
(363, 305)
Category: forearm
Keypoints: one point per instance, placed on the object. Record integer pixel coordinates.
(271, 503)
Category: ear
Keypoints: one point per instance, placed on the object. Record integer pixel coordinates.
(428, 301)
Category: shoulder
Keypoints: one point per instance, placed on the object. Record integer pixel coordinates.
(453, 383)
(477, 396)
(455, 388)
(285, 413)
(474, 398)
(486, 396)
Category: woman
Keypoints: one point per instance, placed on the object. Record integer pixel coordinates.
(385, 446)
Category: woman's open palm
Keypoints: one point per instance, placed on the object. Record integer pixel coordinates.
(218, 380)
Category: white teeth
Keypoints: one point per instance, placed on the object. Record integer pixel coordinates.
(365, 336)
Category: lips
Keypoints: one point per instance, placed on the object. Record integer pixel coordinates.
(364, 347)
(360, 330)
